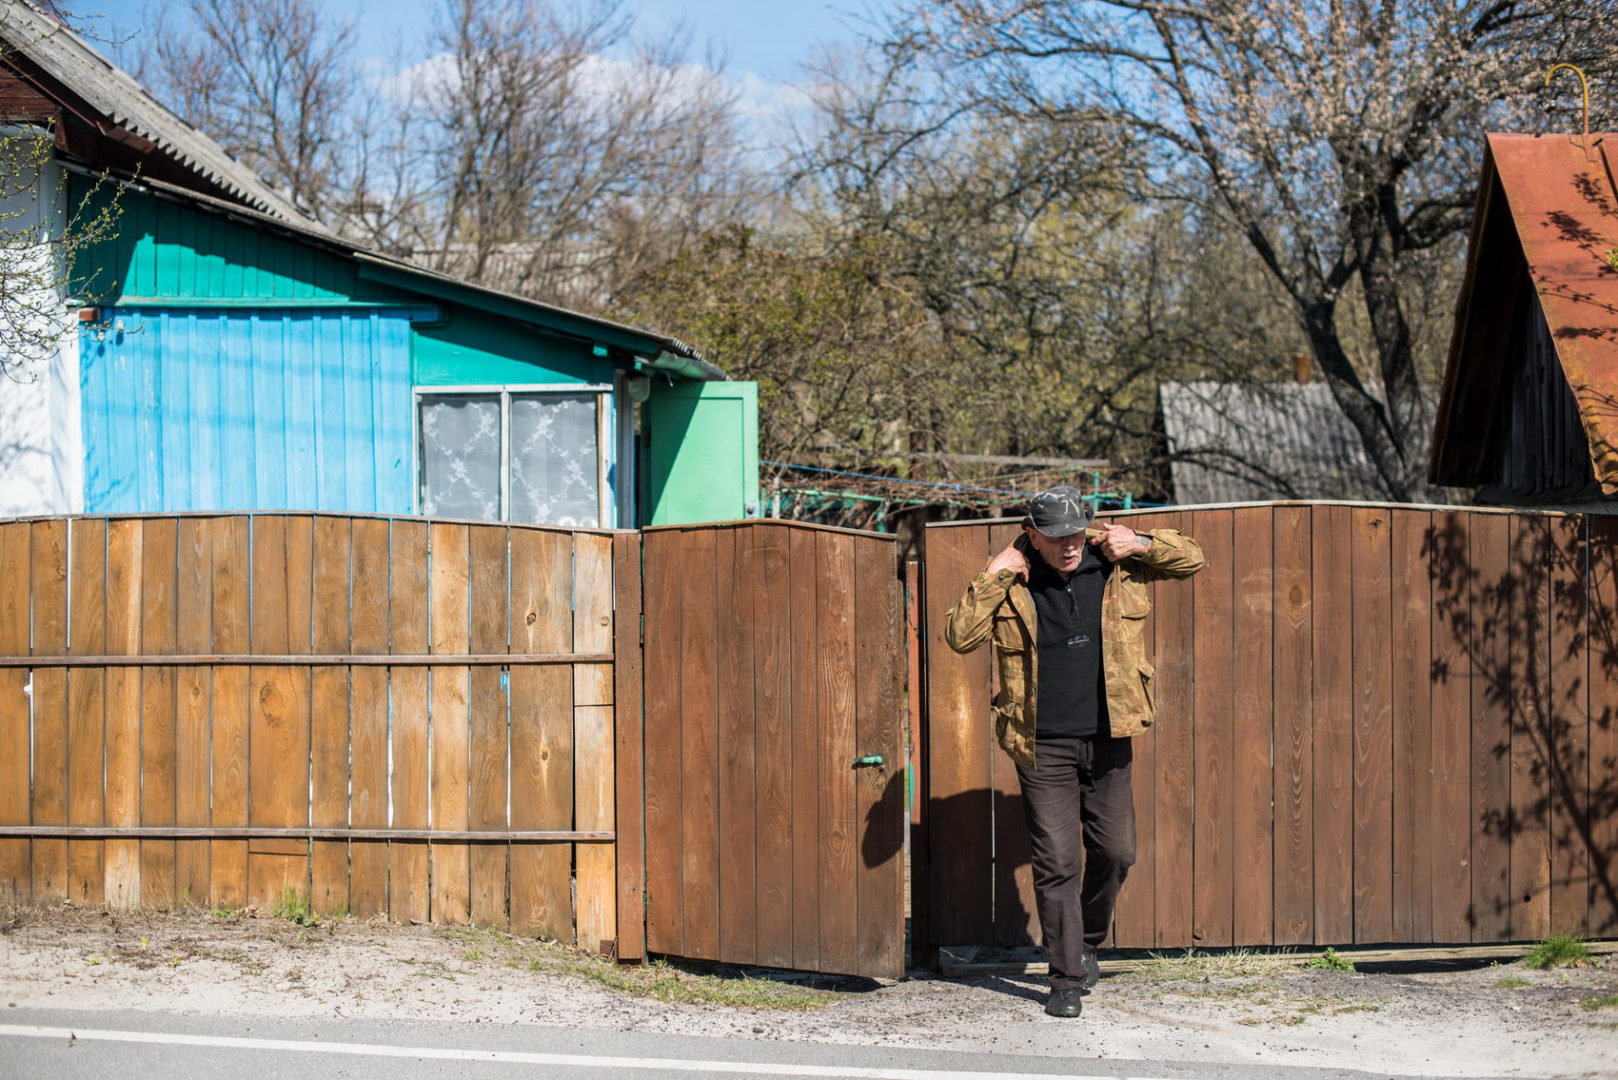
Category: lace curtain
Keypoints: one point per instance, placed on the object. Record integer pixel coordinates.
(554, 457)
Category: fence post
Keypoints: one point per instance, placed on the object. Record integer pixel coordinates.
(630, 756)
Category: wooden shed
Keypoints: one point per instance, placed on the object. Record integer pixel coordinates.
(1529, 410)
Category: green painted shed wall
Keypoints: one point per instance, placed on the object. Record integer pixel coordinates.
(473, 349)
(701, 453)
(165, 251)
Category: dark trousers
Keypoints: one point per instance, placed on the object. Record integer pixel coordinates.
(1078, 796)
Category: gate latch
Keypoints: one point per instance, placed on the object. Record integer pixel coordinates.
(869, 761)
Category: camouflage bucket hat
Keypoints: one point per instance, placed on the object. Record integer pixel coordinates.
(1059, 512)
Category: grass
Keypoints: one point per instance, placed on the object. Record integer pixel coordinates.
(1559, 950)
(1330, 960)
(685, 983)
(1511, 982)
(1228, 964)
(1605, 1001)
(295, 909)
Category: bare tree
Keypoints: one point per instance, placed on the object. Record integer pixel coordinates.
(563, 157)
(273, 83)
(1340, 139)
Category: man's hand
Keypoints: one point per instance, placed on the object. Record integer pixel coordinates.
(1117, 542)
(1009, 559)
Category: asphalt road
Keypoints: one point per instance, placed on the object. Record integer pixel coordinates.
(43, 1044)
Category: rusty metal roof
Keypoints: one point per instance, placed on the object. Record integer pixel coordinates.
(1550, 201)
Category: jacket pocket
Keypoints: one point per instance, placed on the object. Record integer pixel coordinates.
(1009, 635)
(1134, 601)
(1147, 675)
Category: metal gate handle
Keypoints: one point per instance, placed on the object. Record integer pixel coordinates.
(869, 761)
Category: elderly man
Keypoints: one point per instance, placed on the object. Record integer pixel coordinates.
(1064, 605)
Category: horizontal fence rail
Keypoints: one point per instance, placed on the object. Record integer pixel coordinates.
(382, 716)
(1375, 724)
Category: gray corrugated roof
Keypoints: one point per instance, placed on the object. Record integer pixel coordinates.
(1273, 441)
(115, 93)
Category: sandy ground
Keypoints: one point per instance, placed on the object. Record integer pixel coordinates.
(1473, 1022)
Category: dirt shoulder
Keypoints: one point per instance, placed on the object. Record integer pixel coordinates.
(1503, 1020)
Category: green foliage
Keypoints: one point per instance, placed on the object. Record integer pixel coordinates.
(38, 247)
(1604, 1001)
(1330, 960)
(1558, 950)
(1511, 982)
(295, 909)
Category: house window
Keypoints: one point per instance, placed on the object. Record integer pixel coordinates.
(513, 454)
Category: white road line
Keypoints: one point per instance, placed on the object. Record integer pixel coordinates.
(516, 1057)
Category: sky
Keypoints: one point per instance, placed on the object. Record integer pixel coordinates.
(767, 41)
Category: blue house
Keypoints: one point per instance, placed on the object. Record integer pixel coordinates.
(220, 351)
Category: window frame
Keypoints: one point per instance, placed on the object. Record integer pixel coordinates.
(606, 503)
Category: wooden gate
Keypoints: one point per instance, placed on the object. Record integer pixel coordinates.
(774, 764)
(1376, 724)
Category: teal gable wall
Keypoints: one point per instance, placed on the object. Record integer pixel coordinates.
(163, 251)
(472, 349)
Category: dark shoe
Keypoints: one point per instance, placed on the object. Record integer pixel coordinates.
(1066, 1002)
(1092, 971)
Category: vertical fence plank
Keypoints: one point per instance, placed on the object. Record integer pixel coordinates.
(1528, 812)
(1294, 727)
(278, 724)
(1411, 655)
(1334, 725)
(663, 673)
(1214, 749)
(541, 732)
(1016, 913)
(86, 707)
(1450, 571)
(193, 695)
(1174, 681)
(368, 716)
(1491, 726)
(329, 713)
(159, 632)
(48, 559)
(879, 812)
(1370, 546)
(806, 763)
(227, 859)
(959, 782)
(407, 723)
(16, 856)
(772, 704)
(834, 677)
(1569, 729)
(489, 751)
(1603, 789)
(450, 722)
(121, 881)
(738, 850)
(699, 749)
(1253, 726)
(595, 916)
(629, 762)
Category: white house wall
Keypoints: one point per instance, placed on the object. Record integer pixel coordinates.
(41, 445)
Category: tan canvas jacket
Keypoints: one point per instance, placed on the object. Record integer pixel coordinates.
(1002, 608)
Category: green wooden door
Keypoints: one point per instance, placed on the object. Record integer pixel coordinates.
(701, 454)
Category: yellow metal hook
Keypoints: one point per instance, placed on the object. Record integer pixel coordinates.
(1584, 85)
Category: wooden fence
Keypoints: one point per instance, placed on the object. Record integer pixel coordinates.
(1375, 724)
(774, 747)
(383, 716)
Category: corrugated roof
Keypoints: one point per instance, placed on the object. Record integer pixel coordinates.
(659, 351)
(1561, 201)
(1254, 443)
(112, 91)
